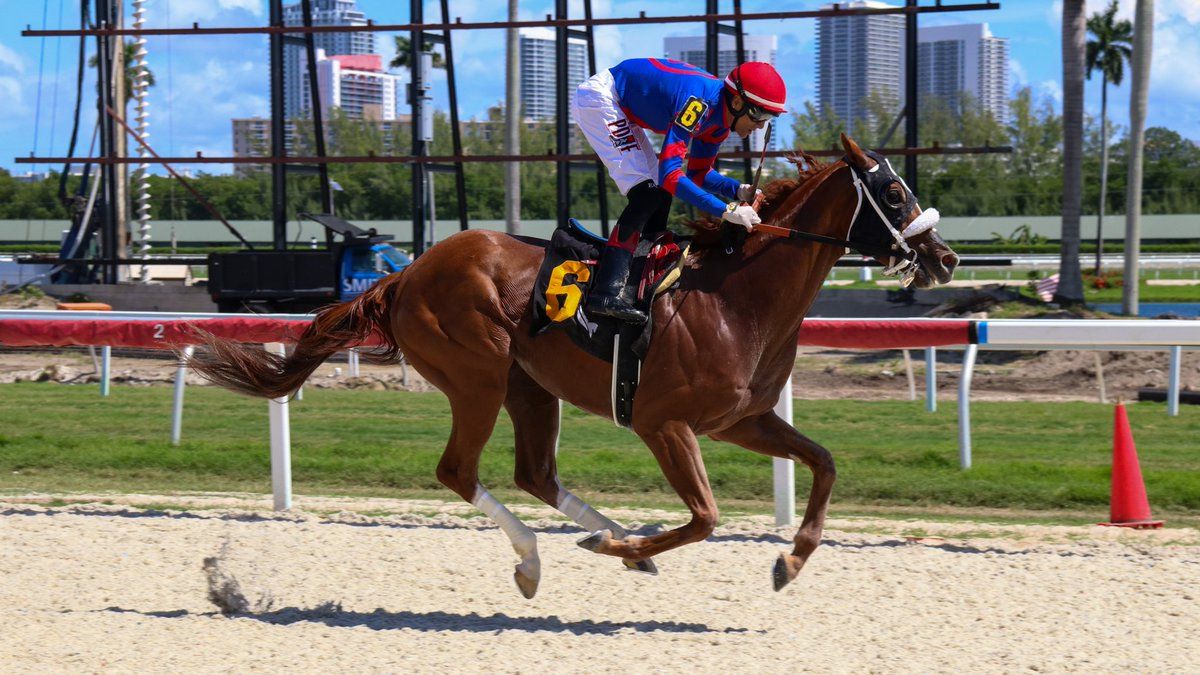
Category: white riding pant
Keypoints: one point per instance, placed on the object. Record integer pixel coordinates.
(621, 144)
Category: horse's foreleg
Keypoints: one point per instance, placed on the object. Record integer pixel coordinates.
(769, 435)
(678, 454)
(474, 416)
(536, 415)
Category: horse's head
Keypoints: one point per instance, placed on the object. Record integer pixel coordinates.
(889, 226)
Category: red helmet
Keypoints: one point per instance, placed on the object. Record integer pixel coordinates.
(760, 84)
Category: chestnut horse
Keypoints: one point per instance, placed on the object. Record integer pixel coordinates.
(724, 344)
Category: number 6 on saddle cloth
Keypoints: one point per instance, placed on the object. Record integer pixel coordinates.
(561, 289)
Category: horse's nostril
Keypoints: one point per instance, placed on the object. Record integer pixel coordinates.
(949, 261)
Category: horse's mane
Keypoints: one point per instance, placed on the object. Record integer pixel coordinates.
(775, 193)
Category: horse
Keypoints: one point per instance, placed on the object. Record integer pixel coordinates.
(723, 345)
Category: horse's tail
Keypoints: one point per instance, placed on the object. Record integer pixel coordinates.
(256, 372)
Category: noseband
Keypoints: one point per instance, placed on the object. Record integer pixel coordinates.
(871, 185)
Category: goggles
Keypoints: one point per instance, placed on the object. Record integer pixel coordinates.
(758, 113)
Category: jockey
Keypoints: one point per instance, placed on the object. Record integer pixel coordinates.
(695, 111)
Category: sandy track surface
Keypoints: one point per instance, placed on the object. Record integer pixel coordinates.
(380, 585)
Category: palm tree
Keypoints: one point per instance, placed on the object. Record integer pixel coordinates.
(1139, 72)
(1107, 53)
(1070, 278)
(129, 49)
(400, 60)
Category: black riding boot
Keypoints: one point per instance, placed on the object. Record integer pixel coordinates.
(646, 211)
(610, 295)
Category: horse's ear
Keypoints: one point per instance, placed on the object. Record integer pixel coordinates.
(854, 153)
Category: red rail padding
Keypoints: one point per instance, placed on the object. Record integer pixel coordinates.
(889, 334)
(884, 334)
(150, 334)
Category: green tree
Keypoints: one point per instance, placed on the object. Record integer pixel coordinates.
(1107, 52)
(403, 45)
(129, 50)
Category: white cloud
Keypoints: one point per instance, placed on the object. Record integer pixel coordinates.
(1052, 89)
(1018, 75)
(11, 59)
(184, 12)
(10, 92)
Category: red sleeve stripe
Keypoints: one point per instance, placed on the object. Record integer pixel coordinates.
(672, 150)
(671, 68)
(697, 163)
(671, 179)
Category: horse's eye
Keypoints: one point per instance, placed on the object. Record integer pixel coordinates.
(894, 198)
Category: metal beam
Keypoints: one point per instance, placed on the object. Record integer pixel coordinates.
(563, 128)
(278, 133)
(416, 97)
(910, 95)
(437, 159)
(546, 23)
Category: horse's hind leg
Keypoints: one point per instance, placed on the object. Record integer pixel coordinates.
(536, 416)
(474, 416)
(769, 435)
(678, 454)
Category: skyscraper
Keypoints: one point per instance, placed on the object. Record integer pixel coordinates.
(858, 56)
(356, 85)
(964, 58)
(538, 95)
(295, 60)
(691, 50)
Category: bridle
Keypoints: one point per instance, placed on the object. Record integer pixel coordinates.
(871, 185)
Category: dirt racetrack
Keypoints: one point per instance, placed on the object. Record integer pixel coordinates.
(389, 586)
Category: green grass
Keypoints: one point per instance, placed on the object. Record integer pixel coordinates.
(1027, 456)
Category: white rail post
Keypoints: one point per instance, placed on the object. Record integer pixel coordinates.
(105, 369)
(964, 407)
(177, 407)
(784, 470)
(1173, 381)
(931, 379)
(281, 445)
(352, 362)
(908, 374)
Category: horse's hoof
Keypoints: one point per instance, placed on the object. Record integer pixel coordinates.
(595, 541)
(527, 580)
(644, 566)
(786, 568)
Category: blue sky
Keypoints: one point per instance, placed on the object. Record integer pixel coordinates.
(204, 82)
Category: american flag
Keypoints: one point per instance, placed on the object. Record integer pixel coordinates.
(1046, 287)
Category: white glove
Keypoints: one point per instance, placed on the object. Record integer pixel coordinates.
(747, 193)
(742, 214)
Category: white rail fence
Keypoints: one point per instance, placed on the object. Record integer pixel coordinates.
(1172, 336)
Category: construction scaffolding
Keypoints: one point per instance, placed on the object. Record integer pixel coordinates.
(108, 31)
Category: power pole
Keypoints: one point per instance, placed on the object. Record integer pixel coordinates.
(512, 126)
(1143, 32)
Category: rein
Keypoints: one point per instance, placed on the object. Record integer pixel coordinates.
(900, 256)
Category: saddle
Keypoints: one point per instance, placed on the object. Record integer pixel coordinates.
(560, 294)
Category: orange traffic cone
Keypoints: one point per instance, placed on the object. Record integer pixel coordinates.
(1129, 506)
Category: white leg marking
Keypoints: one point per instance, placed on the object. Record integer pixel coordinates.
(524, 542)
(592, 520)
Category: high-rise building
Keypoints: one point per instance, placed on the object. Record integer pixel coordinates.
(858, 56)
(691, 49)
(357, 85)
(966, 58)
(538, 94)
(295, 60)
